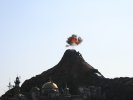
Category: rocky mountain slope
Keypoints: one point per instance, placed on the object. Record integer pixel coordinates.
(74, 71)
(71, 70)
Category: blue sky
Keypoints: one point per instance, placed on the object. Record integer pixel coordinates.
(33, 36)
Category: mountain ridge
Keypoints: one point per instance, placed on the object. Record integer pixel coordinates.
(71, 68)
(74, 71)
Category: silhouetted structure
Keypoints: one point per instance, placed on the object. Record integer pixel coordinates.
(17, 82)
(84, 82)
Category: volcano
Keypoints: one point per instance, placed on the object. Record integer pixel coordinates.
(72, 70)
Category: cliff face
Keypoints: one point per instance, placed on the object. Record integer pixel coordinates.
(71, 70)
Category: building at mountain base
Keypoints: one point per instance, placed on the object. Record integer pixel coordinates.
(50, 91)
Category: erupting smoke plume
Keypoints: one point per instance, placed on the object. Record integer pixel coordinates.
(73, 40)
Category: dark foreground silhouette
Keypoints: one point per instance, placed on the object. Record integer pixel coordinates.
(74, 71)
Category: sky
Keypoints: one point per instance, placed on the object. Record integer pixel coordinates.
(33, 36)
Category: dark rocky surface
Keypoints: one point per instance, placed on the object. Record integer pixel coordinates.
(71, 70)
(74, 71)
